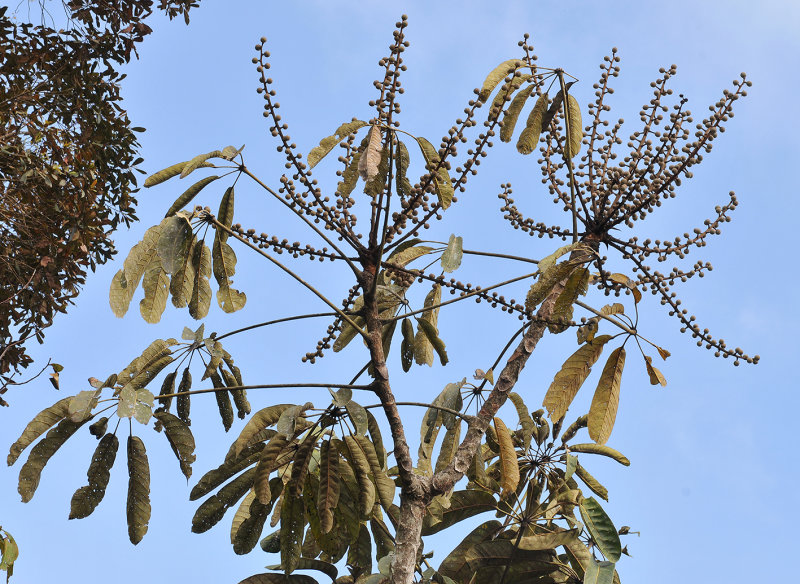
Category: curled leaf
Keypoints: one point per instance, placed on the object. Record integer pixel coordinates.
(138, 506)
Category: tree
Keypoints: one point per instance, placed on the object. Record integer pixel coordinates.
(328, 468)
(67, 161)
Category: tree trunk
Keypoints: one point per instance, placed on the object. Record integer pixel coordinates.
(407, 539)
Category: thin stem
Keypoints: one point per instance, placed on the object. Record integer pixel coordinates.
(276, 321)
(499, 255)
(467, 418)
(265, 386)
(308, 222)
(568, 156)
(464, 297)
(288, 271)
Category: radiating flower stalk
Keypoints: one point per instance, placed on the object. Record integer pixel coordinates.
(322, 475)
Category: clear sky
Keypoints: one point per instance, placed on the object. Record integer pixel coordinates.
(712, 455)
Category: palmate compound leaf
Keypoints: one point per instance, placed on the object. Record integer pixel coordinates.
(455, 564)
(547, 280)
(228, 298)
(328, 143)
(144, 368)
(180, 439)
(442, 183)
(600, 527)
(529, 137)
(490, 560)
(571, 376)
(135, 403)
(40, 454)
(496, 75)
(603, 411)
(86, 498)
(138, 507)
(42, 422)
(509, 466)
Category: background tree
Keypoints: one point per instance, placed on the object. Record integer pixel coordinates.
(331, 465)
(67, 161)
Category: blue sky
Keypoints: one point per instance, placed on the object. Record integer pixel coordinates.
(711, 453)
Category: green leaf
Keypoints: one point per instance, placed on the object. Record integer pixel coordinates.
(496, 75)
(126, 280)
(451, 258)
(292, 526)
(548, 541)
(82, 404)
(215, 477)
(554, 107)
(229, 299)
(455, 564)
(329, 489)
(509, 466)
(213, 509)
(225, 214)
(259, 421)
(529, 137)
(571, 376)
(601, 529)
(182, 280)
(184, 399)
(246, 536)
(198, 160)
(442, 183)
(575, 126)
(407, 345)
(463, 504)
(156, 292)
(288, 421)
(603, 411)
(525, 420)
(370, 158)
(548, 280)
(190, 194)
(174, 243)
(224, 405)
(42, 422)
(169, 172)
(86, 499)
(599, 572)
(572, 465)
(377, 438)
(401, 161)
(577, 285)
(138, 506)
(357, 415)
(200, 299)
(360, 465)
(601, 449)
(449, 445)
(383, 484)
(309, 564)
(180, 439)
(423, 347)
(512, 114)
(135, 403)
(144, 368)
(278, 579)
(656, 377)
(327, 144)
(267, 464)
(591, 482)
(359, 556)
(501, 97)
(31, 471)
(167, 388)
